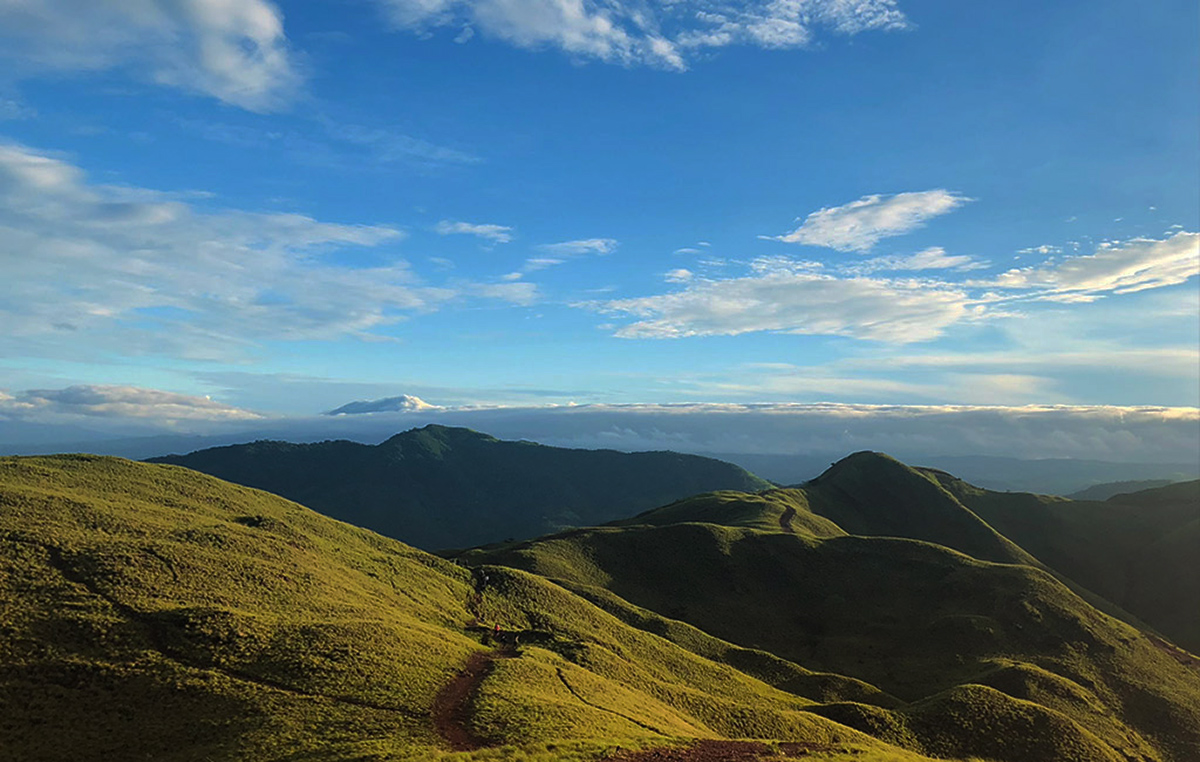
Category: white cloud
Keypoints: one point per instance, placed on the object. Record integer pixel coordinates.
(660, 33)
(795, 299)
(516, 292)
(490, 232)
(861, 224)
(147, 271)
(1115, 268)
(541, 263)
(932, 258)
(117, 402)
(558, 253)
(679, 275)
(233, 50)
(1045, 249)
(580, 248)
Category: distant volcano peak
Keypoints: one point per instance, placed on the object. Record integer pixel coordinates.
(405, 403)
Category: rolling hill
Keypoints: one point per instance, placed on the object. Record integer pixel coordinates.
(149, 611)
(440, 487)
(876, 572)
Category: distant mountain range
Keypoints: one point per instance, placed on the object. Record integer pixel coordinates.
(1054, 476)
(441, 487)
(881, 613)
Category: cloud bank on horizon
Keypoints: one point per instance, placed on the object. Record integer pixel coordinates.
(1115, 433)
(503, 205)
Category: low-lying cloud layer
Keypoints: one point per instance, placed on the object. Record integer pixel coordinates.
(116, 402)
(1112, 433)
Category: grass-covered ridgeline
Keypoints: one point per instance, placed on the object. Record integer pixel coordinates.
(449, 487)
(151, 612)
(964, 644)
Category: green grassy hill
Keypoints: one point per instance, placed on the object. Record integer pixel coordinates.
(990, 644)
(151, 612)
(442, 487)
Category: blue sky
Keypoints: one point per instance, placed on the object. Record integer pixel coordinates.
(273, 208)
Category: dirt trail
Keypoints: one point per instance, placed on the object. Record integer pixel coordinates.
(721, 751)
(1185, 658)
(785, 521)
(452, 707)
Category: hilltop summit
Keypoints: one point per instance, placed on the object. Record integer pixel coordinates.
(452, 487)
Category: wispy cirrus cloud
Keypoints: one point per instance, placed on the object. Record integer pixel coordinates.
(859, 225)
(661, 34)
(487, 231)
(877, 300)
(1115, 268)
(580, 248)
(932, 258)
(236, 52)
(794, 297)
(557, 253)
(142, 268)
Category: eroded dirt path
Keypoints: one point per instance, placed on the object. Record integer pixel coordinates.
(452, 707)
(721, 751)
(785, 521)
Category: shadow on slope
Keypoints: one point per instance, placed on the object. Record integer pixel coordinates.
(920, 621)
(153, 612)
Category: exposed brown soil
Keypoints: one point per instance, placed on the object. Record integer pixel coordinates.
(452, 707)
(785, 521)
(1186, 658)
(721, 751)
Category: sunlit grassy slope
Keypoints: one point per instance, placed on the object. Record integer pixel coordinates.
(987, 653)
(449, 487)
(150, 612)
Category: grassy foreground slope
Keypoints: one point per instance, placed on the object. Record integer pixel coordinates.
(998, 660)
(151, 612)
(442, 487)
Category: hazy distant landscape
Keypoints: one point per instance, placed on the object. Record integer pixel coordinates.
(599, 381)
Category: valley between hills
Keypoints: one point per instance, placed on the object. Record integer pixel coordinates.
(595, 606)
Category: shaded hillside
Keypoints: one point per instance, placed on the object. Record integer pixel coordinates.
(440, 487)
(1109, 489)
(1139, 550)
(151, 612)
(946, 633)
(1056, 476)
